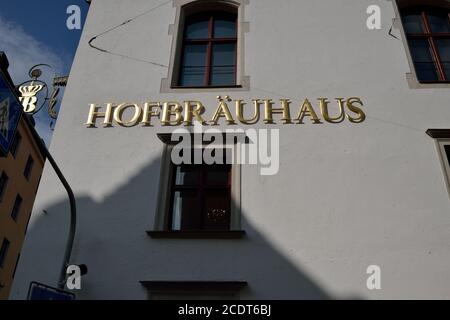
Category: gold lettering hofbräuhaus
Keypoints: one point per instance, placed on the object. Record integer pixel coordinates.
(174, 113)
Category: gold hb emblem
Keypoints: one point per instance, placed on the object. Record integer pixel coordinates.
(28, 98)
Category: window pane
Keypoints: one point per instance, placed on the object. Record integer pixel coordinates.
(187, 175)
(223, 61)
(28, 167)
(444, 49)
(218, 175)
(3, 183)
(193, 70)
(439, 22)
(186, 213)
(444, 52)
(16, 208)
(197, 29)
(426, 71)
(447, 152)
(224, 28)
(224, 54)
(192, 77)
(446, 66)
(413, 23)
(3, 252)
(420, 50)
(194, 55)
(217, 209)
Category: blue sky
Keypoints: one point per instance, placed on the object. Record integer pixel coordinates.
(33, 32)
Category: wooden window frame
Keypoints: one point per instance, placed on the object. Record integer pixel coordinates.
(431, 36)
(210, 42)
(202, 188)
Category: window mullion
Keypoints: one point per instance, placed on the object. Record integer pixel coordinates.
(209, 52)
(439, 64)
(434, 50)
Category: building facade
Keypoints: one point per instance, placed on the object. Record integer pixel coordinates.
(20, 173)
(357, 203)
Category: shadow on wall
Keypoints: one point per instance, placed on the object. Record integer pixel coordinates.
(112, 241)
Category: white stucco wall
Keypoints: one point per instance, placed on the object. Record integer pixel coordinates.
(347, 195)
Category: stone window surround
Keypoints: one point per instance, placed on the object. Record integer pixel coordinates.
(442, 138)
(160, 229)
(411, 77)
(176, 31)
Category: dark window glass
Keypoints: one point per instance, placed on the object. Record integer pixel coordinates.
(201, 198)
(15, 267)
(4, 252)
(15, 144)
(413, 23)
(225, 28)
(423, 59)
(420, 50)
(447, 152)
(209, 50)
(439, 22)
(443, 46)
(194, 65)
(197, 28)
(218, 175)
(3, 183)
(428, 33)
(223, 64)
(16, 208)
(28, 168)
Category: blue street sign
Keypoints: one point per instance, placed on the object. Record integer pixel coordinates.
(10, 112)
(39, 291)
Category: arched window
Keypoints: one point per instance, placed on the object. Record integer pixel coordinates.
(209, 50)
(428, 33)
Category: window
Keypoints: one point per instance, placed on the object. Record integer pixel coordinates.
(28, 168)
(447, 152)
(15, 144)
(428, 34)
(15, 267)
(3, 182)
(3, 252)
(209, 50)
(200, 201)
(16, 208)
(200, 198)
(442, 141)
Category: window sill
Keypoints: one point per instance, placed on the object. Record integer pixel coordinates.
(439, 133)
(196, 234)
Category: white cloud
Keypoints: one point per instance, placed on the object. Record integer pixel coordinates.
(24, 51)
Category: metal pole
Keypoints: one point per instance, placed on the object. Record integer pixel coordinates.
(73, 214)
